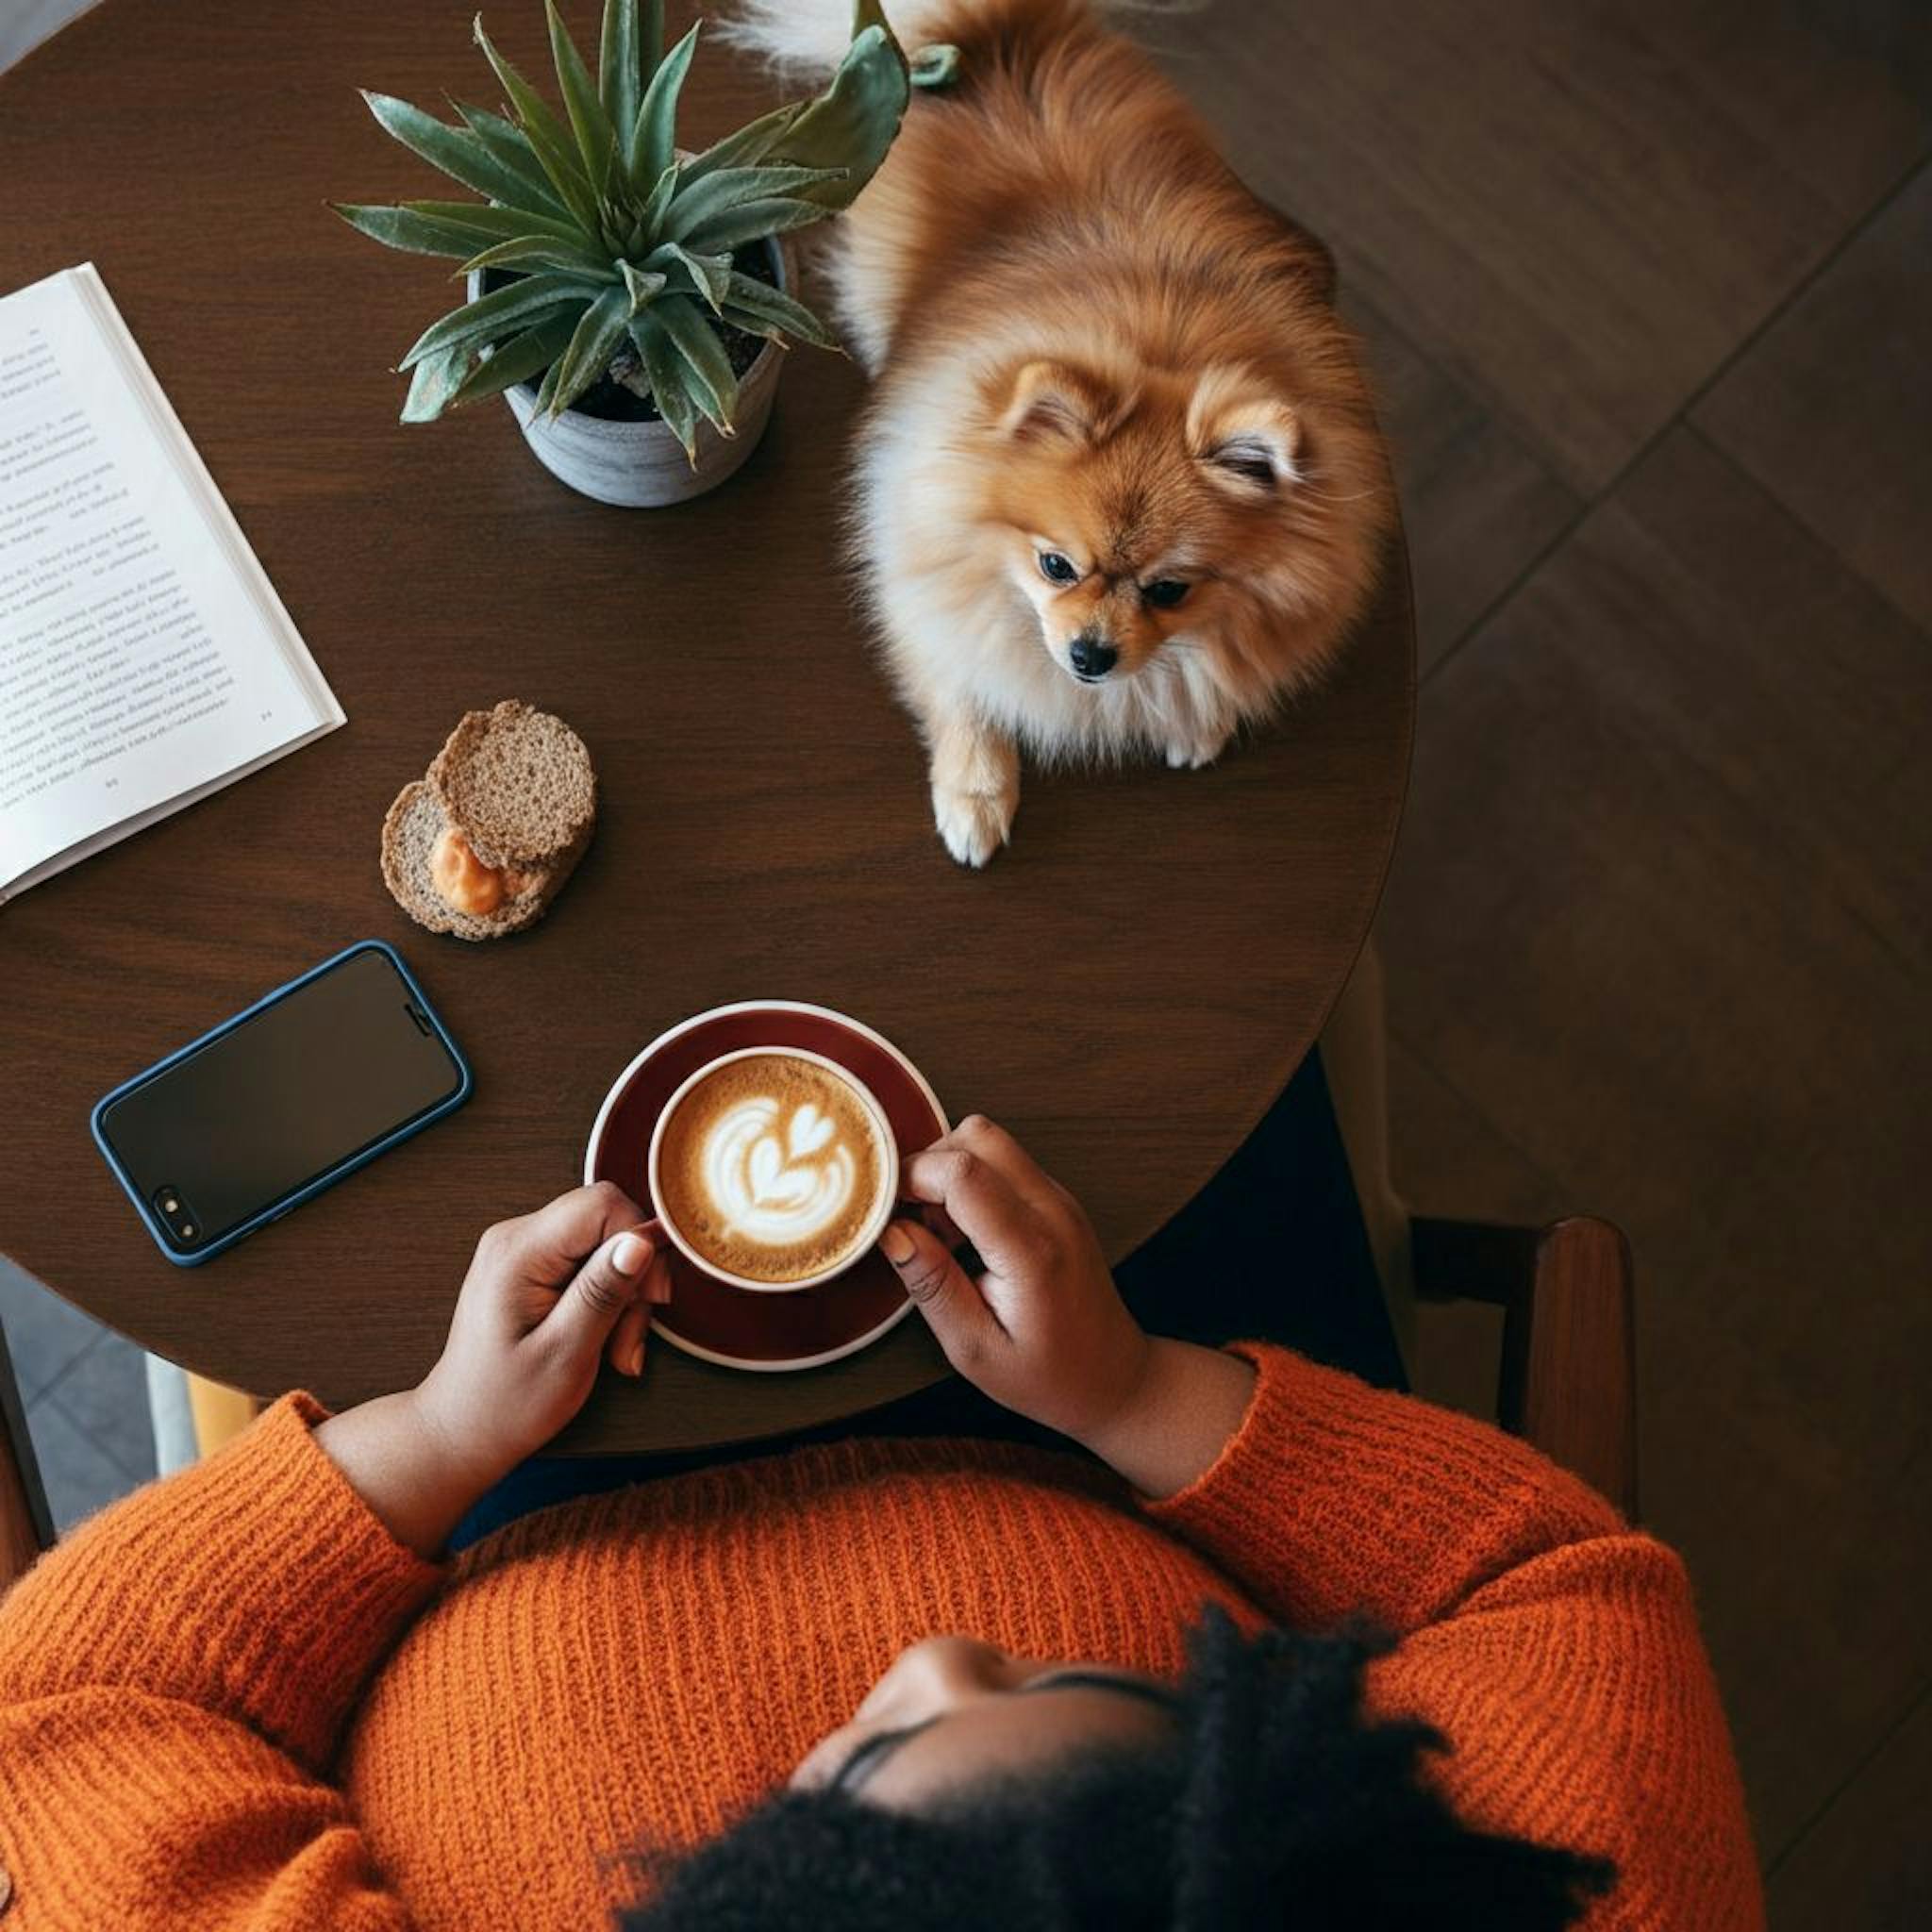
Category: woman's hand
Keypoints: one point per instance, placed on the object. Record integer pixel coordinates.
(1043, 1331)
(547, 1296)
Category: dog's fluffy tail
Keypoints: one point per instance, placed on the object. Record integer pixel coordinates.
(811, 35)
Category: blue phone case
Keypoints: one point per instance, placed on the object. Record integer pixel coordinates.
(277, 1208)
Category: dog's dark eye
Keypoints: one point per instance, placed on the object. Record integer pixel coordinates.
(1056, 569)
(1163, 593)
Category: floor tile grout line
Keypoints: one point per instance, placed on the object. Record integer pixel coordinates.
(66, 1368)
(1734, 463)
(1680, 415)
(1913, 1707)
(1554, 1182)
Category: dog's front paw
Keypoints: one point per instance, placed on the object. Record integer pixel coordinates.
(1190, 753)
(974, 825)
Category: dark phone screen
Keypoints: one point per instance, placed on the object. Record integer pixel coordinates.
(297, 1088)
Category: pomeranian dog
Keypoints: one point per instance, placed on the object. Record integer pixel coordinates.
(1120, 487)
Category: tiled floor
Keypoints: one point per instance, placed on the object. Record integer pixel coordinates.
(1647, 290)
(85, 1396)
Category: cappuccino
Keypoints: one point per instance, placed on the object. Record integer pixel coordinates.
(771, 1168)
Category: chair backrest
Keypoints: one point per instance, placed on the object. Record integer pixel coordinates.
(27, 1528)
(1568, 1378)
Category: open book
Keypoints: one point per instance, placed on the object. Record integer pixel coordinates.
(145, 659)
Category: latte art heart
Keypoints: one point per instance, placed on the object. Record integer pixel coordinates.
(775, 1186)
(810, 1130)
(773, 1168)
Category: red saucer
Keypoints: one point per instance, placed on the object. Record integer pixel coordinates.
(736, 1327)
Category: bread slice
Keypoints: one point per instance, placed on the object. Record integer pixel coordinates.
(518, 783)
(410, 833)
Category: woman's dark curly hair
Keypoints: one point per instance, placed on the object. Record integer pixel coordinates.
(1277, 1804)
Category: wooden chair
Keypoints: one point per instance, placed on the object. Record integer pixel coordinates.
(1568, 1379)
(27, 1527)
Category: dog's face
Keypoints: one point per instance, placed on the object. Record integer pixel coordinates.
(1140, 506)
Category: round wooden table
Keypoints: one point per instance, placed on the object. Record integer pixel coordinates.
(1128, 987)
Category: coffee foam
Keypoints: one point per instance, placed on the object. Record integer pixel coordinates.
(770, 1168)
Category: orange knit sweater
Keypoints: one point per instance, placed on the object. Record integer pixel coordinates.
(233, 1700)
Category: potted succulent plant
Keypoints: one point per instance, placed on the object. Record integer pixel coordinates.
(629, 300)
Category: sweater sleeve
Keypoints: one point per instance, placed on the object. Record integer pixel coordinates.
(1335, 1499)
(173, 1681)
(1555, 1649)
(256, 1585)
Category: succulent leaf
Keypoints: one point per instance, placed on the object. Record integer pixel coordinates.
(492, 222)
(725, 188)
(596, 137)
(935, 66)
(434, 384)
(659, 199)
(457, 151)
(653, 143)
(542, 251)
(709, 276)
(518, 305)
(665, 369)
(642, 286)
(516, 361)
(752, 142)
(414, 234)
(760, 309)
(619, 70)
(597, 335)
(751, 219)
(550, 140)
(710, 378)
(650, 42)
(507, 141)
(853, 123)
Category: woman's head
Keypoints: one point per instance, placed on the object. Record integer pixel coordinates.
(973, 1789)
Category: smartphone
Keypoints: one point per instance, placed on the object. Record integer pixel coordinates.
(280, 1101)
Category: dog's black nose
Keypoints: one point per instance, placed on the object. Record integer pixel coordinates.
(1091, 656)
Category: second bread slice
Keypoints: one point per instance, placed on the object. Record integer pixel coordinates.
(518, 783)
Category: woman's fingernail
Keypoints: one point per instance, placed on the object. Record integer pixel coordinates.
(660, 1291)
(632, 1255)
(897, 1244)
(634, 1366)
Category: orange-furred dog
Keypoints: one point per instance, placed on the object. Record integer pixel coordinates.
(1120, 489)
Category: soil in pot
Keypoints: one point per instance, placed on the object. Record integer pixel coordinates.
(608, 398)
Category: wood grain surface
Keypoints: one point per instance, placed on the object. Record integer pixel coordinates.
(1128, 987)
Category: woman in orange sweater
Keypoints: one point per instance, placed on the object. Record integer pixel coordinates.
(869, 1683)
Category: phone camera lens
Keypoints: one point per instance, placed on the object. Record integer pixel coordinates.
(176, 1214)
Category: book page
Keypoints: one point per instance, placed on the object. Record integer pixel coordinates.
(144, 656)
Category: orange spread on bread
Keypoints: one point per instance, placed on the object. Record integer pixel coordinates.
(461, 880)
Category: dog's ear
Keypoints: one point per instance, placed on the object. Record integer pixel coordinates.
(1059, 400)
(1242, 433)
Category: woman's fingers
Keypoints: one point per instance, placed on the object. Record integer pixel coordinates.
(602, 1290)
(1000, 1150)
(979, 1199)
(627, 1339)
(965, 1327)
(547, 1246)
(626, 1347)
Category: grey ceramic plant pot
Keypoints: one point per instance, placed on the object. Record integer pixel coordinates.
(642, 465)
